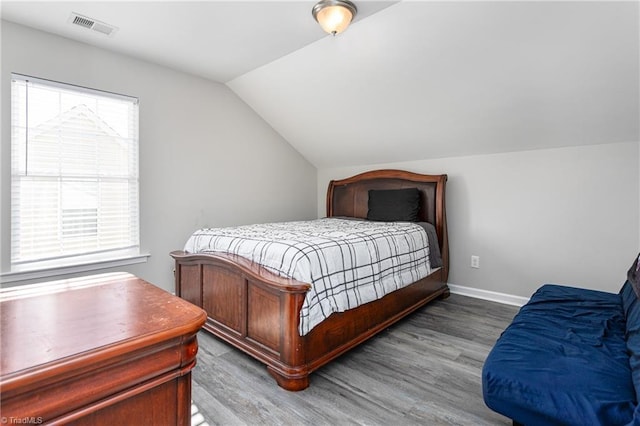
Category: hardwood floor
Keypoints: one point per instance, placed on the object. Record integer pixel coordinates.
(425, 370)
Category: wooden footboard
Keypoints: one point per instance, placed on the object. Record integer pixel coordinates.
(258, 312)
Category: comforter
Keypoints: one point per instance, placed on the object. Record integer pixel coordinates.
(348, 263)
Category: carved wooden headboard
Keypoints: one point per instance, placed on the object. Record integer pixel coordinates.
(350, 197)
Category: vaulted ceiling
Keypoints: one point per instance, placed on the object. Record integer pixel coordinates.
(408, 80)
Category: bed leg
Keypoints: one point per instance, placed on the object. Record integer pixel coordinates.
(290, 383)
(445, 293)
(516, 423)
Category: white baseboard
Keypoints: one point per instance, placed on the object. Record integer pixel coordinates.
(507, 299)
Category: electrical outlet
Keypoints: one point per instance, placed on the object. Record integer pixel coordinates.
(475, 261)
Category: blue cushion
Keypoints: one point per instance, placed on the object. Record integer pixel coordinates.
(632, 311)
(563, 360)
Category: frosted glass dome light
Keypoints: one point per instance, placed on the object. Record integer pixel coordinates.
(334, 16)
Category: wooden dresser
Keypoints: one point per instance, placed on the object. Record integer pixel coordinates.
(102, 350)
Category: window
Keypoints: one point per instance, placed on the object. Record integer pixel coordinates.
(74, 174)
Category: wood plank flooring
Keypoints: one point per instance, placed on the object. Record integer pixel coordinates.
(425, 370)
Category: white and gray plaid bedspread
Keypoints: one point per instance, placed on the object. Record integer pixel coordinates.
(347, 262)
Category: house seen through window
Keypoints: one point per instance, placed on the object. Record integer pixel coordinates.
(74, 164)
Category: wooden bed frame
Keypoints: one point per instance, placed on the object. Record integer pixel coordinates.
(258, 312)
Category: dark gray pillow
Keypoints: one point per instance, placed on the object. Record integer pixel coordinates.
(394, 205)
(634, 276)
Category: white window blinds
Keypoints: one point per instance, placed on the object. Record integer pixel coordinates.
(74, 172)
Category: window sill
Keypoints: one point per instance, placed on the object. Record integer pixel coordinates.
(37, 272)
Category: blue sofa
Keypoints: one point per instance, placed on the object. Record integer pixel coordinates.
(571, 356)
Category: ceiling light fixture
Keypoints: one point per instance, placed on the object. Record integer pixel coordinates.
(334, 16)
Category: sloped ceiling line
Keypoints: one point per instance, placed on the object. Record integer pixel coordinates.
(408, 80)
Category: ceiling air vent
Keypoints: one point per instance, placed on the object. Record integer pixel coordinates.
(92, 24)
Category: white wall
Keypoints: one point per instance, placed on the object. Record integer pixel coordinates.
(205, 157)
(568, 215)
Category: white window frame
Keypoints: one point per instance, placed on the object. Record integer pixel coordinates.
(80, 259)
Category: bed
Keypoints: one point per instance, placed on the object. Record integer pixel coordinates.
(258, 311)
